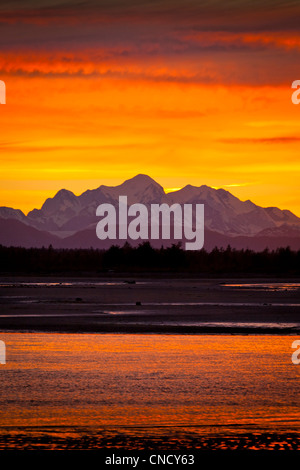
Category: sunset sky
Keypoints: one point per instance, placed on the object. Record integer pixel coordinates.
(188, 92)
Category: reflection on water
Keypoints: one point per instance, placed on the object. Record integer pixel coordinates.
(267, 286)
(70, 284)
(105, 386)
(132, 319)
(213, 304)
(217, 324)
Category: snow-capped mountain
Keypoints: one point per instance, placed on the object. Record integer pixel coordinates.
(10, 213)
(225, 213)
(67, 214)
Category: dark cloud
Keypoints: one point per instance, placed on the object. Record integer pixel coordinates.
(201, 15)
(151, 32)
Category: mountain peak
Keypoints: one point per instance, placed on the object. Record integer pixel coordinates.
(142, 177)
(141, 180)
(62, 193)
(140, 188)
(63, 201)
(184, 194)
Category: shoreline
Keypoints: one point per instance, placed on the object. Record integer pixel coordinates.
(145, 330)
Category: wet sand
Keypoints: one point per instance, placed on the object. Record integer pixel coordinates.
(133, 305)
(114, 440)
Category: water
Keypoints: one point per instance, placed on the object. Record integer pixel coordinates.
(266, 286)
(171, 388)
(77, 284)
(262, 286)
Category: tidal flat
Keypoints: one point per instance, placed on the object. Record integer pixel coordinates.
(150, 305)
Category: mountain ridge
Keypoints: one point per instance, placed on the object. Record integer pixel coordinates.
(66, 214)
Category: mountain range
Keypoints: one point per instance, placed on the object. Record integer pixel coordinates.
(69, 221)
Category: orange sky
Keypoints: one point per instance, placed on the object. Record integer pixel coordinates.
(184, 105)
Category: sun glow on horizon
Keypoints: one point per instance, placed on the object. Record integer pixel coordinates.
(182, 105)
(171, 190)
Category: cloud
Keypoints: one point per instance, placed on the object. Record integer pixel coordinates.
(234, 185)
(207, 13)
(58, 148)
(191, 15)
(261, 140)
(241, 41)
(246, 42)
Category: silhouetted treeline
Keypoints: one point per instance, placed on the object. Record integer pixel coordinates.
(145, 258)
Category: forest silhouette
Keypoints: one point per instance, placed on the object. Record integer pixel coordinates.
(146, 259)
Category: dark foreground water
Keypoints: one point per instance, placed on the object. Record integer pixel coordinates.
(129, 391)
